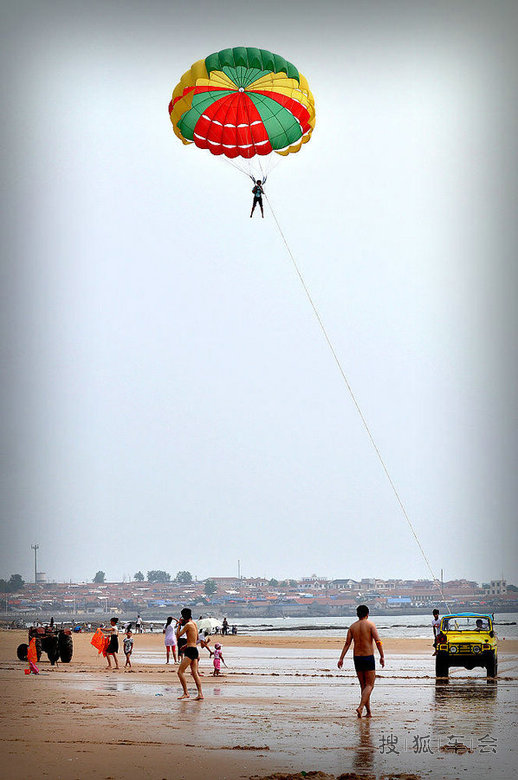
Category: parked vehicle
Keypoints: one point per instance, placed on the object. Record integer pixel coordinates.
(57, 643)
(466, 639)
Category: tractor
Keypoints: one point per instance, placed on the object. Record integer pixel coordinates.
(57, 643)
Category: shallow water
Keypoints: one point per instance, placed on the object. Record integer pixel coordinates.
(306, 662)
(394, 626)
(400, 626)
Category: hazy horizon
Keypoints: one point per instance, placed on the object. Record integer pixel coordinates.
(131, 578)
(167, 394)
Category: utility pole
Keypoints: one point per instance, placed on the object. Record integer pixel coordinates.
(239, 569)
(35, 547)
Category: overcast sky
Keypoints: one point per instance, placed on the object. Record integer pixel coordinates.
(169, 400)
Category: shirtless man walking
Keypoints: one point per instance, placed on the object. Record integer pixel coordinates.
(190, 654)
(363, 634)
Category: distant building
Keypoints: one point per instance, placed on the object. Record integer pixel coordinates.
(313, 583)
(346, 585)
(495, 587)
(399, 601)
(254, 582)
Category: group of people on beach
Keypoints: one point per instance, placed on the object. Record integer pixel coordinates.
(112, 633)
(184, 638)
(189, 641)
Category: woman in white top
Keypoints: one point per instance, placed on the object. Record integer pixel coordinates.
(170, 638)
(113, 647)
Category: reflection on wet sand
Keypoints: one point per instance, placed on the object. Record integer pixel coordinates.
(466, 709)
(454, 695)
(363, 756)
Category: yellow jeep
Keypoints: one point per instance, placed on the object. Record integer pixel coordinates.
(466, 639)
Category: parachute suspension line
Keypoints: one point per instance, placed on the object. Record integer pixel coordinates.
(273, 161)
(263, 175)
(357, 405)
(256, 153)
(235, 165)
(247, 168)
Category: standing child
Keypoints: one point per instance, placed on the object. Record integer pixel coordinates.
(128, 647)
(218, 658)
(113, 647)
(170, 638)
(32, 657)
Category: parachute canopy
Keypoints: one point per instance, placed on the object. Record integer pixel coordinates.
(243, 102)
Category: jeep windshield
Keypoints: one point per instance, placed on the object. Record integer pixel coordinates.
(466, 623)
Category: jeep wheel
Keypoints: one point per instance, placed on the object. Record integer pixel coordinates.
(492, 666)
(66, 648)
(441, 666)
(21, 652)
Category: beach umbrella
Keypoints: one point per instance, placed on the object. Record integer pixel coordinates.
(208, 624)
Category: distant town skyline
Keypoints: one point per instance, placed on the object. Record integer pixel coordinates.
(251, 596)
(44, 578)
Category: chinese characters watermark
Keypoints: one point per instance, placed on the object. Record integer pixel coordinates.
(427, 743)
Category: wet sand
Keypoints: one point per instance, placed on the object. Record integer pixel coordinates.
(281, 706)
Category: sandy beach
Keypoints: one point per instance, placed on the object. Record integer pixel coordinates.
(280, 708)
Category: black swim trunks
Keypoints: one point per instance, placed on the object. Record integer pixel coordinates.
(364, 663)
(191, 652)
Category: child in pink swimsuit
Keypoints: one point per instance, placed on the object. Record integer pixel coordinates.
(218, 658)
